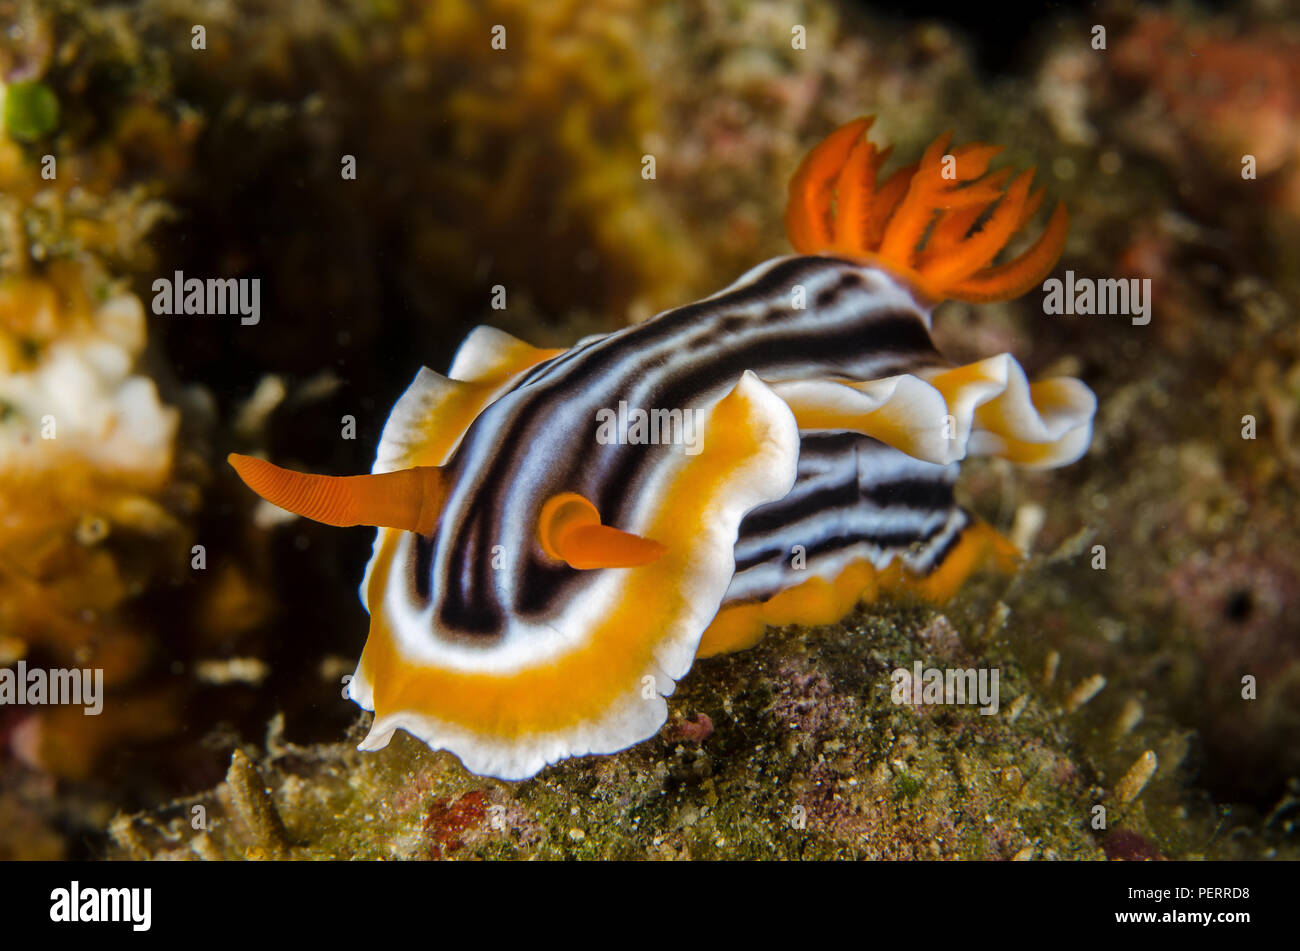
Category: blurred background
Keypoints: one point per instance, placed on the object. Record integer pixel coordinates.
(126, 544)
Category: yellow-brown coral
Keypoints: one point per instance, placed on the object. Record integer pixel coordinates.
(85, 448)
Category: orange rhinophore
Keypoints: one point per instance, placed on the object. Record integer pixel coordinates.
(938, 224)
(569, 529)
(408, 499)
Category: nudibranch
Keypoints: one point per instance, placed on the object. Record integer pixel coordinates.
(537, 589)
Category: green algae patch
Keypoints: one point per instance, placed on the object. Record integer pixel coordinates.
(907, 787)
(31, 111)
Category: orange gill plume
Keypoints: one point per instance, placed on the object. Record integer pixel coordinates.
(938, 223)
(409, 499)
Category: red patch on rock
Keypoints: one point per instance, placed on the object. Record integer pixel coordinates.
(1125, 845)
(447, 821)
(691, 731)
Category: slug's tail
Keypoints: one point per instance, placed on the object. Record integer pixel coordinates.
(939, 223)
